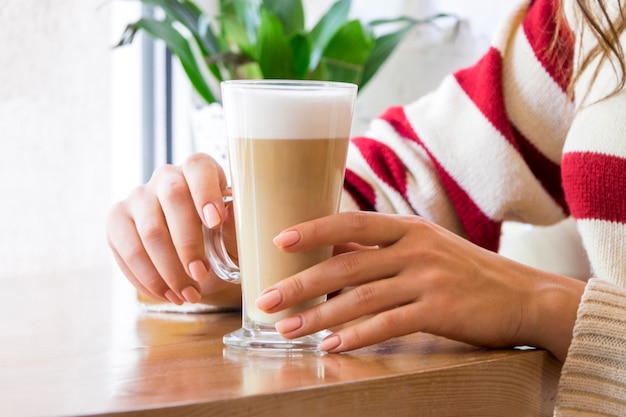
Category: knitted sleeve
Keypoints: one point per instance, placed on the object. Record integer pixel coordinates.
(593, 380)
(485, 146)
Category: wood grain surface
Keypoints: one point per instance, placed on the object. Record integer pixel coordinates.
(79, 344)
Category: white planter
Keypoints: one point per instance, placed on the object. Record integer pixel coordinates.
(208, 131)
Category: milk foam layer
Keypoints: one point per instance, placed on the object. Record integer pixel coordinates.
(298, 110)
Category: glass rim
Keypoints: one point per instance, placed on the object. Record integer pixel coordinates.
(277, 84)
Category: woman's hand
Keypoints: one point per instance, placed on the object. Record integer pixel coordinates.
(419, 277)
(156, 233)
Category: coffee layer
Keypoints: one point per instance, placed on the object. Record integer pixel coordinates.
(277, 184)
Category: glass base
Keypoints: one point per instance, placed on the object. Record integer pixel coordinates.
(268, 339)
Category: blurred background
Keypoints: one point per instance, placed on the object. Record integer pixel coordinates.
(81, 123)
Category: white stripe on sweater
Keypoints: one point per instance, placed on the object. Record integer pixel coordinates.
(424, 190)
(597, 129)
(536, 105)
(605, 243)
(465, 144)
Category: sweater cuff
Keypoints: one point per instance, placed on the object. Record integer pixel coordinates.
(593, 379)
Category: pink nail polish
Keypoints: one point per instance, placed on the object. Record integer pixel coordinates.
(211, 215)
(289, 324)
(288, 238)
(269, 299)
(191, 294)
(330, 343)
(172, 297)
(198, 271)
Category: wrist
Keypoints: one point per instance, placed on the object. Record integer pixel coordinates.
(553, 307)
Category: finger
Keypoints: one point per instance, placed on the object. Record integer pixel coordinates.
(334, 274)
(155, 236)
(136, 282)
(207, 185)
(360, 301)
(383, 326)
(350, 247)
(183, 223)
(130, 255)
(364, 228)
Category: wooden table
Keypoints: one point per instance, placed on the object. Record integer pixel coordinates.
(78, 344)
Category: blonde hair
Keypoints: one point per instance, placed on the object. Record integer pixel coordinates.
(606, 30)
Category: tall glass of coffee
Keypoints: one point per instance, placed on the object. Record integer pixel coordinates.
(288, 143)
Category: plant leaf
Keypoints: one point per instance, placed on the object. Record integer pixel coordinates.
(326, 28)
(250, 71)
(386, 44)
(300, 45)
(273, 51)
(207, 38)
(346, 53)
(188, 14)
(290, 13)
(351, 44)
(192, 17)
(383, 47)
(335, 70)
(248, 12)
(128, 36)
(237, 33)
(320, 73)
(179, 46)
(411, 21)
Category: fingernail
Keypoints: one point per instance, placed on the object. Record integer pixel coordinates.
(288, 238)
(198, 271)
(211, 215)
(172, 297)
(269, 299)
(289, 324)
(330, 343)
(191, 294)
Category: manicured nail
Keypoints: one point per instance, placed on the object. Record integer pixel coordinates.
(288, 238)
(191, 294)
(211, 215)
(289, 324)
(269, 299)
(198, 271)
(172, 297)
(330, 343)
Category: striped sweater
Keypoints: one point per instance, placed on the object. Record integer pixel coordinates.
(501, 140)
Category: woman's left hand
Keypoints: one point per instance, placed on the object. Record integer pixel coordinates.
(407, 275)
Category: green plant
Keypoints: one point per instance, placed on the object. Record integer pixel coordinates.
(268, 39)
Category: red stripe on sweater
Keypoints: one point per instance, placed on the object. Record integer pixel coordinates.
(554, 53)
(547, 172)
(360, 191)
(384, 162)
(483, 85)
(595, 185)
(479, 228)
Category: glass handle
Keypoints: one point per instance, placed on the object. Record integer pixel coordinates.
(221, 263)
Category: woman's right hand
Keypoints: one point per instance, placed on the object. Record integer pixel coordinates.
(156, 233)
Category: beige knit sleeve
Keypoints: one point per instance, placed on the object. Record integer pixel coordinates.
(593, 380)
